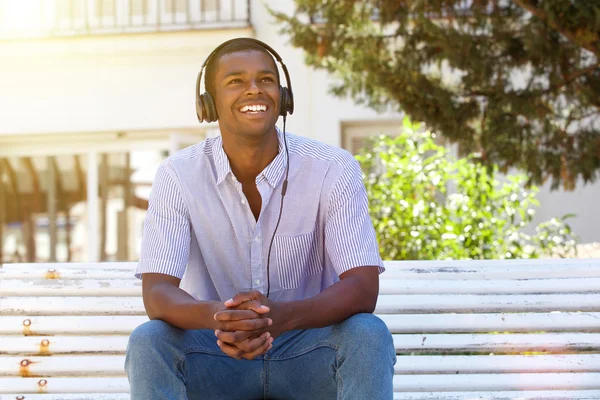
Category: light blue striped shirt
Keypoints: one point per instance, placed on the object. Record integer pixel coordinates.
(199, 226)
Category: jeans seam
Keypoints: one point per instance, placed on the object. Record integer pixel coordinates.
(266, 377)
(179, 364)
(307, 350)
(340, 385)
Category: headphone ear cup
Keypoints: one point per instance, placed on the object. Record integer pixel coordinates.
(200, 109)
(209, 108)
(287, 102)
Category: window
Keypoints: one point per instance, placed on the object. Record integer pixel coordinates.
(355, 134)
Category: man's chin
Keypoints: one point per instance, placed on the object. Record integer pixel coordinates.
(257, 129)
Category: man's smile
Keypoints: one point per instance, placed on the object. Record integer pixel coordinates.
(254, 110)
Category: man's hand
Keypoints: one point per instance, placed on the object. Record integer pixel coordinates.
(248, 343)
(241, 330)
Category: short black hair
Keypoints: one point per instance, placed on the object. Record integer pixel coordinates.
(241, 44)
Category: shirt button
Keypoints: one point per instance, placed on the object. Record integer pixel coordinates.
(256, 239)
(257, 282)
(243, 201)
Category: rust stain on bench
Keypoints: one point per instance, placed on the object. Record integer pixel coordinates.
(24, 368)
(27, 327)
(42, 385)
(52, 274)
(45, 347)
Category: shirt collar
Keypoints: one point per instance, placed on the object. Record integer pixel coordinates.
(272, 173)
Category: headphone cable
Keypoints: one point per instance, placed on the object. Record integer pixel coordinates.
(283, 191)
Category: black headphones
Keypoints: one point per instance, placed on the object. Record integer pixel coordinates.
(205, 103)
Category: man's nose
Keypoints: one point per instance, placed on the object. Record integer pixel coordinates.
(253, 87)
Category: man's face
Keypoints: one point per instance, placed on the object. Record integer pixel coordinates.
(247, 93)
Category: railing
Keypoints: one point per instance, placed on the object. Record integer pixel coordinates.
(47, 18)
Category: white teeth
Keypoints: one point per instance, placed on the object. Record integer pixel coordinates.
(254, 108)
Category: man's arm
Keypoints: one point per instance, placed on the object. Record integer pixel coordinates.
(355, 293)
(164, 300)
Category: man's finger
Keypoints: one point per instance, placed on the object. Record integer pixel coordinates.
(242, 297)
(251, 345)
(260, 351)
(245, 325)
(230, 350)
(234, 337)
(253, 305)
(235, 315)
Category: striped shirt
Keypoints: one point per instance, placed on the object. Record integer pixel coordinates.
(199, 226)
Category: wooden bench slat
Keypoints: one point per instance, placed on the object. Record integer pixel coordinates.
(387, 304)
(507, 395)
(71, 306)
(101, 365)
(69, 396)
(496, 382)
(71, 287)
(404, 343)
(47, 345)
(80, 325)
(37, 366)
(64, 385)
(399, 304)
(492, 269)
(132, 286)
(120, 265)
(502, 322)
(399, 323)
(402, 383)
(497, 343)
(497, 364)
(30, 274)
(391, 285)
(554, 263)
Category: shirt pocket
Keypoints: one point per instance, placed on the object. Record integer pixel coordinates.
(297, 257)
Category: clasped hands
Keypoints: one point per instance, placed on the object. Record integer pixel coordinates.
(247, 326)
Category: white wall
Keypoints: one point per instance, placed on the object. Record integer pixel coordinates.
(105, 83)
(584, 202)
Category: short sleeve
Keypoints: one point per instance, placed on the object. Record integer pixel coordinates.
(350, 239)
(166, 235)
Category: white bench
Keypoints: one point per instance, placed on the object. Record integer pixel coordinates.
(462, 329)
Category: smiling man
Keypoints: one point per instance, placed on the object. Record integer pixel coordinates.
(259, 263)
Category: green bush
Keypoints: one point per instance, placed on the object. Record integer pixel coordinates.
(427, 205)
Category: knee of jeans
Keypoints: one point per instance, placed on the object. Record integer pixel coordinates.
(150, 334)
(367, 328)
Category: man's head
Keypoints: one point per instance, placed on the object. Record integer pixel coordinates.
(238, 45)
(243, 79)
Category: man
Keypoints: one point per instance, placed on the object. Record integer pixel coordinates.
(217, 221)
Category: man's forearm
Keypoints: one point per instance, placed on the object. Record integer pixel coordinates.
(175, 306)
(338, 302)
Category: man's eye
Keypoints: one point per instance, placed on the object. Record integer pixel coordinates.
(267, 79)
(235, 81)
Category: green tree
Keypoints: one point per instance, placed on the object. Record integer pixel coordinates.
(426, 205)
(517, 82)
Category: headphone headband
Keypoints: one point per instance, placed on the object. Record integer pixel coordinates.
(287, 95)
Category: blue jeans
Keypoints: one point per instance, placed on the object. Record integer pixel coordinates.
(350, 360)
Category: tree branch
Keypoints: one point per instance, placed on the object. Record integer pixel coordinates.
(570, 78)
(569, 34)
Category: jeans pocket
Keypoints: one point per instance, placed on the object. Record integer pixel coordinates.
(297, 257)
